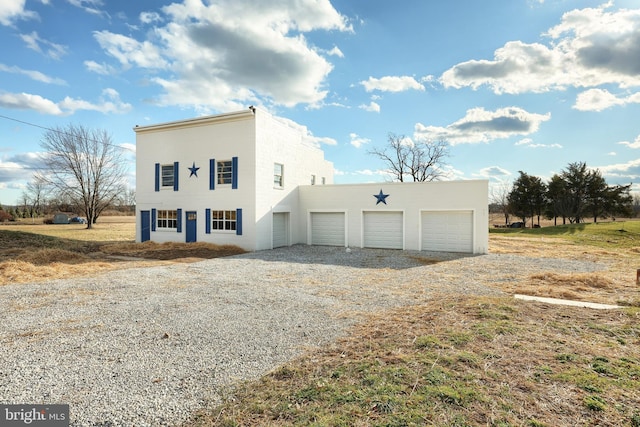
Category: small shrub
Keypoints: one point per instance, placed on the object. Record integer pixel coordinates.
(594, 403)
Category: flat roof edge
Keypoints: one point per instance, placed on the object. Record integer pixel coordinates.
(236, 115)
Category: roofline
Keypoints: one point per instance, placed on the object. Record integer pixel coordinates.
(198, 121)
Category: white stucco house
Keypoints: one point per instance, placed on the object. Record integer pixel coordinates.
(250, 179)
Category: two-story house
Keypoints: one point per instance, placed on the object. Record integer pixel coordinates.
(250, 179)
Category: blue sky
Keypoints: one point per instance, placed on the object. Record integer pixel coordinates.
(512, 85)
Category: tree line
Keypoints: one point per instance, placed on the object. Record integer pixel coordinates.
(573, 195)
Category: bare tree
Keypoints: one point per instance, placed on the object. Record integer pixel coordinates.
(500, 199)
(84, 166)
(415, 161)
(33, 196)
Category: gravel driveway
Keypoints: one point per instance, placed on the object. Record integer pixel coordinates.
(148, 346)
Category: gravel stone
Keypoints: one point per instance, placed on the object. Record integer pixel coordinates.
(149, 346)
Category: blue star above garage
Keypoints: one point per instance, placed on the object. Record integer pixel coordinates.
(381, 197)
(194, 170)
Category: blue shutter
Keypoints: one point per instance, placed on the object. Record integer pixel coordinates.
(212, 174)
(207, 219)
(179, 221)
(157, 185)
(175, 176)
(234, 173)
(239, 222)
(154, 217)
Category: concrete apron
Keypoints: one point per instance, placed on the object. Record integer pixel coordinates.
(567, 302)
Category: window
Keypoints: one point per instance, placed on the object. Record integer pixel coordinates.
(313, 180)
(167, 175)
(278, 175)
(223, 220)
(324, 180)
(225, 172)
(167, 219)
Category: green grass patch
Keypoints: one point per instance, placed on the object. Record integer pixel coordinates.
(455, 369)
(611, 234)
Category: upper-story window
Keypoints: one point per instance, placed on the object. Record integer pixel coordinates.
(167, 175)
(225, 171)
(278, 175)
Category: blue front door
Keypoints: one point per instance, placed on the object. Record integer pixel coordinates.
(145, 226)
(192, 220)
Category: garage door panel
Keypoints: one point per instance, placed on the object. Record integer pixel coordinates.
(328, 228)
(383, 230)
(450, 231)
(280, 229)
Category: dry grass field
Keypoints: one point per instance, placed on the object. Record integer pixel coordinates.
(35, 252)
(456, 361)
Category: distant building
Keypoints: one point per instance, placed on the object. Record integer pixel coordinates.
(61, 218)
(250, 179)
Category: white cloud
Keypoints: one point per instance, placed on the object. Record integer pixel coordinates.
(601, 99)
(13, 10)
(589, 48)
(229, 53)
(524, 141)
(335, 52)
(128, 146)
(150, 17)
(373, 107)
(307, 135)
(103, 69)
(480, 125)
(89, 6)
(358, 141)
(391, 84)
(109, 103)
(528, 142)
(130, 51)
(27, 101)
(621, 171)
(17, 169)
(32, 74)
(493, 172)
(634, 144)
(45, 47)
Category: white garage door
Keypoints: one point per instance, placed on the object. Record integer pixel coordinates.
(450, 231)
(280, 229)
(383, 230)
(327, 228)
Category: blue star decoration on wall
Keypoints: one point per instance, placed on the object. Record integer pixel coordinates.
(381, 197)
(194, 170)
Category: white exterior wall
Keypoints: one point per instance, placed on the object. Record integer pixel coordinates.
(410, 198)
(279, 142)
(198, 140)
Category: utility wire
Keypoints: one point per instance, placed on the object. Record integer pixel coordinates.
(62, 132)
